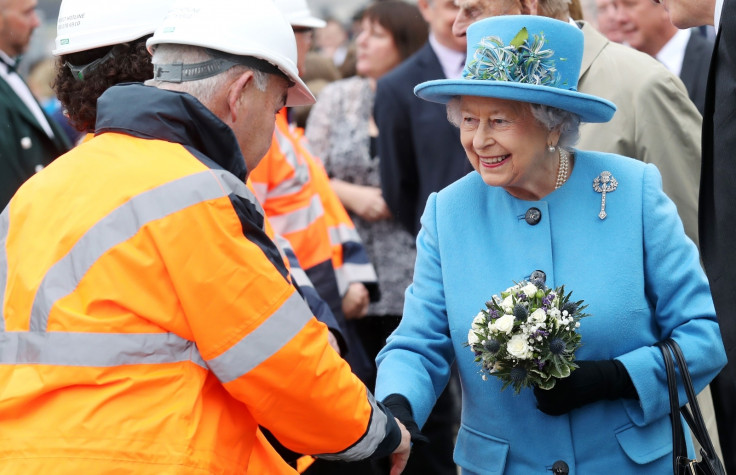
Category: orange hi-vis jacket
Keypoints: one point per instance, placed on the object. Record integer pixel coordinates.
(304, 209)
(147, 323)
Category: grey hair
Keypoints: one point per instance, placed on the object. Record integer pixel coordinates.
(549, 117)
(203, 89)
(558, 9)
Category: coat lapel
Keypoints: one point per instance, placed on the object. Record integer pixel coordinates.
(11, 99)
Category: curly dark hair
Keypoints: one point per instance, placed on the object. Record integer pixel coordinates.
(79, 98)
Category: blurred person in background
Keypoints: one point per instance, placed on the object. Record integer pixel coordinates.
(646, 26)
(420, 153)
(332, 41)
(391, 32)
(606, 20)
(717, 193)
(29, 138)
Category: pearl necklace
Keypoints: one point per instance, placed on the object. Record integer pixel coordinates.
(563, 166)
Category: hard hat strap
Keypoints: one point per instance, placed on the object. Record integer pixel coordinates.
(220, 62)
(80, 73)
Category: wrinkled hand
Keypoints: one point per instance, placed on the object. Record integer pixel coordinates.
(355, 301)
(400, 456)
(370, 204)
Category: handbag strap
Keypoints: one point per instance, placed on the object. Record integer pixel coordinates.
(678, 437)
(695, 418)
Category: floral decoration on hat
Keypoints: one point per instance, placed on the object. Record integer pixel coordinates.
(519, 61)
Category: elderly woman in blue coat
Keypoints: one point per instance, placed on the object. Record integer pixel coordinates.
(597, 223)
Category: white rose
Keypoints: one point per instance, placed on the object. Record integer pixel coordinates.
(529, 290)
(507, 304)
(478, 321)
(518, 347)
(505, 324)
(472, 338)
(538, 316)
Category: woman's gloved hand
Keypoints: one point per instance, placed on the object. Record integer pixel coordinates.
(592, 381)
(401, 409)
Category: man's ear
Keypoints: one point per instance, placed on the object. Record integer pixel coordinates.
(235, 93)
(529, 7)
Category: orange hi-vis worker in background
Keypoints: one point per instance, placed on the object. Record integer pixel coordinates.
(147, 322)
(294, 191)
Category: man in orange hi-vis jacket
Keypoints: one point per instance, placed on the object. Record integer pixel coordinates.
(148, 324)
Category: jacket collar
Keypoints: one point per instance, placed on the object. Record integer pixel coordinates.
(152, 113)
(594, 44)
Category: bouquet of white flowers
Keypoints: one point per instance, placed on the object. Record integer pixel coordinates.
(527, 336)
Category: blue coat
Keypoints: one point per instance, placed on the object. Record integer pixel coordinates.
(637, 271)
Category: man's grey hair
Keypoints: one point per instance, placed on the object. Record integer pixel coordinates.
(558, 9)
(203, 89)
(549, 117)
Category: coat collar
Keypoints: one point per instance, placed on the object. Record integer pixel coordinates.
(594, 44)
(152, 113)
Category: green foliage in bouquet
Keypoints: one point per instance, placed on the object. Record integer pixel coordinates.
(528, 336)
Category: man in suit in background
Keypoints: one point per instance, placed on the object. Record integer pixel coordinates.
(717, 216)
(419, 149)
(29, 139)
(646, 26)
(420, 153)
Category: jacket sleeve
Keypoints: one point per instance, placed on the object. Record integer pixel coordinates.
(398, 158)
(415, 362)
(683, 308)
(260, 339)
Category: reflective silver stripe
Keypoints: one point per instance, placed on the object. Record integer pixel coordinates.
(301, 170)
(369, 443)
(349, 273)
(122, 224)
(4, 224)
(300, 277)
(233, 184)
(263, 342)
(298, 219)
(297, 273)
(96, 349)
(342, 233)
(260, 190)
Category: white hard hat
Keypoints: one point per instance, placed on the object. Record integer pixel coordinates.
(243, 28)
(89, 24)
(297, 13)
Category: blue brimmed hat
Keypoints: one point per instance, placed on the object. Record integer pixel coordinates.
(523, 58)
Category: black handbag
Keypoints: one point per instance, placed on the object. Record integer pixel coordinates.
(709, 464)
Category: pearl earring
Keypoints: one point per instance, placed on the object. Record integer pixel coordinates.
(551, 148)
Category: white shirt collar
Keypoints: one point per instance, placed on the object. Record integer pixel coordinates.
(673, 52)
(452, 61)
(4, 58)
(717, 14)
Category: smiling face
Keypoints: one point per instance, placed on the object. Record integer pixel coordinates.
(644, 25)
(508, 146)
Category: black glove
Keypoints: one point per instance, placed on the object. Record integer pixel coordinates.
(401, 409)
(592, 381)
